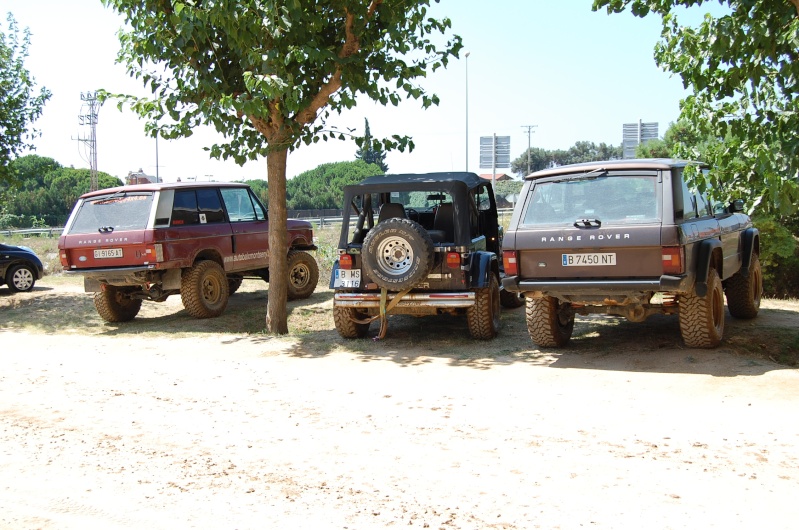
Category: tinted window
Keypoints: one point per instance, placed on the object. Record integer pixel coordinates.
(184, 208)
(210, 206)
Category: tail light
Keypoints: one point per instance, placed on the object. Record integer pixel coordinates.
(63, 257)
(156, 252)
(673, 260)
(345, 261)
(509, 262)
(453, 260)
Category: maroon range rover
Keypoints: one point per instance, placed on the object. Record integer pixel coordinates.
(150, 241)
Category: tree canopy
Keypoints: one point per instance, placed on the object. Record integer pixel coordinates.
(267, 73)
(369, 152)
(579, 152)
(743, 72)
(20, 106)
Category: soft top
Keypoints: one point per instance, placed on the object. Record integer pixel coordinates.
(415, 182)
(630, 163)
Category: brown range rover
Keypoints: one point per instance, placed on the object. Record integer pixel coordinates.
(199, 240)
(629, 238)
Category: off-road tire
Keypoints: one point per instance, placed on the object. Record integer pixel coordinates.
(303, 275)
(397, 254)
(744, 292)
(548, 324)
(342, 317)
(114, 304)
(20, 278)
(233, 284)
(204, 289)
(483, 316)
(510, 299)
(702, 317)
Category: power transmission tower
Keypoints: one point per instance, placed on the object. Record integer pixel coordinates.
(88, 118)
(529, 133)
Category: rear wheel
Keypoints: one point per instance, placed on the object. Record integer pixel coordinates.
(744, 292)
(114, 304)
(20, 278)
(702, 317)
(204, 290)
(483, 316)
(346, 327)
(303, 275)
(549, 322)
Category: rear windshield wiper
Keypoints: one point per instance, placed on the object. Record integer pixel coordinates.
(591, 175)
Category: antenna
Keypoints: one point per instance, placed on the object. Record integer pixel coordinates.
(89, 110)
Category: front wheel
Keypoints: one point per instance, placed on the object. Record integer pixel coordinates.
(303, 275)
(549, 322)
(702, 317)
(20, 279)
(204, 289)
(744, 292)
(114, 304)
(483, 316)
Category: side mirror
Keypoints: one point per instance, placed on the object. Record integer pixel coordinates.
(737, 205)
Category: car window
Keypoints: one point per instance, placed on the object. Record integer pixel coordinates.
(620, 199)
(239, 205)
(184, 208)
(210, 206)
(117, 211)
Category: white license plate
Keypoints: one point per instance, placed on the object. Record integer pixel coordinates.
(589, 259)
(347, 278)
(102, 253)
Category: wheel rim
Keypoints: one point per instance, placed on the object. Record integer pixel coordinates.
(211, 289)
(300, 275)
(717, 303)
(23, 279)
(757, 286)
(395, 256)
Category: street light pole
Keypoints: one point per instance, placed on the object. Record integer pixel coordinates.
(467, 110)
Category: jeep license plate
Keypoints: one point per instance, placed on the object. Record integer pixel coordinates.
(591, 259)
(347, 278)
(103, 253)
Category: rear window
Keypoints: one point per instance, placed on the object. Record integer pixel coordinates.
(611, 199)
(117, 211)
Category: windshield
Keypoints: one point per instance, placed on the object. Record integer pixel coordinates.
(609, 199)
(118, 211)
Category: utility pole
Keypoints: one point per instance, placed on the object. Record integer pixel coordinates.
(529, 132)
(88, 116)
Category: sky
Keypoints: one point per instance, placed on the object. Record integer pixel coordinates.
(574, 74)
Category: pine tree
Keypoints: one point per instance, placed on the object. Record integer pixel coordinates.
(371, 152)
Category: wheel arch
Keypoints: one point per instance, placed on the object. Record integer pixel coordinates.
(750, 244)
(710, 255)
(482, 264)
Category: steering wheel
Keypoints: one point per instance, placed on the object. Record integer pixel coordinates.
(412, 214)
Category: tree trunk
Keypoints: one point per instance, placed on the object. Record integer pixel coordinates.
(276, 313)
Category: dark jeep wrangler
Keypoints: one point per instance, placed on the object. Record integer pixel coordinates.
(629, 238)
(418, 245)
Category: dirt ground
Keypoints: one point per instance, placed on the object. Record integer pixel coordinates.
(169, 422)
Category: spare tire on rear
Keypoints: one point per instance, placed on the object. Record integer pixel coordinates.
(397, 254)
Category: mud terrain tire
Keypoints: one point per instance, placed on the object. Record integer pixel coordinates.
(303, 275)
(342, 317)
(483, 316)
(397, 254)
(702, 317)
(744, 292)
(114, 304)
(204, 290)
(20, 279)
(547, 324)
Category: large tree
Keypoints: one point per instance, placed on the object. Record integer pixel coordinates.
(743, 70)
(369, 152)
(20, 106)
(266, 74)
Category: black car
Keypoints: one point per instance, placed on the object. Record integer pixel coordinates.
(20, 267)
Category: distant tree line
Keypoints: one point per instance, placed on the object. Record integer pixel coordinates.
(41, 192)
(539, 158)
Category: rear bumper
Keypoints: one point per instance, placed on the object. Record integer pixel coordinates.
(440, 300)
(665, 283)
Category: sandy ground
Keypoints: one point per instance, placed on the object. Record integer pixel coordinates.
(248, 433)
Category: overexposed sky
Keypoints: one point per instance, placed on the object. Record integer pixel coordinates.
(574, 74)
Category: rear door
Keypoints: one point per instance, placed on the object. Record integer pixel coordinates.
(250, 228)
